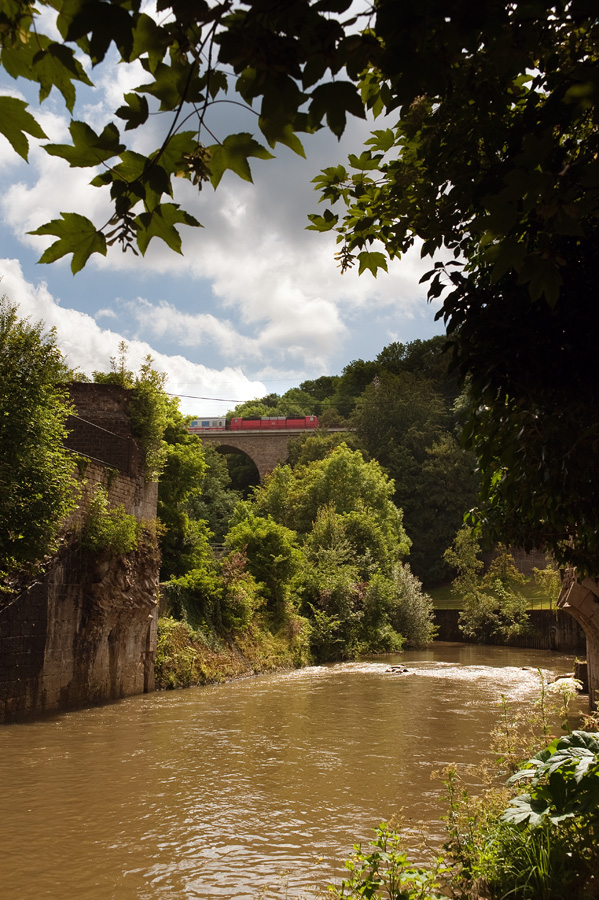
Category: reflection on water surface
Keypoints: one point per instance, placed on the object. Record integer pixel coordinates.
(213, 792)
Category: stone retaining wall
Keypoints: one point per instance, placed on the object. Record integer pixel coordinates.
(550, 630)
(84, 631)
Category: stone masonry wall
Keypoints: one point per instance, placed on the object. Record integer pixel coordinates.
(82, 634)
(580, 599)
(84, 631)
(550, 630)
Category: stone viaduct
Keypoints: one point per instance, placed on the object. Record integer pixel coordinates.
(580, 597)
(264, 448)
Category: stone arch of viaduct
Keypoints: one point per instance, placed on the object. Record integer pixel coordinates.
(581, 599)
(265, 449)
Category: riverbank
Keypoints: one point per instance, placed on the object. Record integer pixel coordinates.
(186, 656)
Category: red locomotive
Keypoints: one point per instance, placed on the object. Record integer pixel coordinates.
(254, 423)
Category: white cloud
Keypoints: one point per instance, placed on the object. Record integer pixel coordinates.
(163, 320)
(276, 300)
(88, 347)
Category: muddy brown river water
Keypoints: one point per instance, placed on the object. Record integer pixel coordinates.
(256, 788)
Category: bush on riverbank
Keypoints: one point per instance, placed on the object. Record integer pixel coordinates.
(321, 544)
(534, 838)
(186, 656)
(325, 539)
(544, 845)
(493, 607)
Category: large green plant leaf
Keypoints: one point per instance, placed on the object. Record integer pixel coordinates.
(88, 148)
(15, 122)
(161, 222)
(77, 235)
(233, 154)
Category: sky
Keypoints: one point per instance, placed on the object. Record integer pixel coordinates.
(256, 302)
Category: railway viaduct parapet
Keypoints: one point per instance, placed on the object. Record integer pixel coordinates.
(264, 448)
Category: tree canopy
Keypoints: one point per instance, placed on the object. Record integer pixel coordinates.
(326, 536)
(408, 427)
(275, 57)
(494, 162)
(37, 487)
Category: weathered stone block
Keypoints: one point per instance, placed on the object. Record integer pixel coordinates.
(85, 632)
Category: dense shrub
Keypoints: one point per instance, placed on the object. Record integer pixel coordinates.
(110, 529)
(177, 663)
(412, 610)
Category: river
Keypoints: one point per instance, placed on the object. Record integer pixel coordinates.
(253, 788)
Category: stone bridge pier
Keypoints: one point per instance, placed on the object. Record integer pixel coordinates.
(264, 448)
(581, 600)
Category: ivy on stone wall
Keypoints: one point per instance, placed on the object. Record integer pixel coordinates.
(150, 406)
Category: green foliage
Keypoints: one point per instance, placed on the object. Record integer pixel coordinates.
(412, 611)
(320, 389)
(493, 609)
(307, 448)
(294, 402)
(359, 603)
(190, 60)
(109, 528)
(529, 851)
(428, 359)
(464, 557)
(494, 616)
(549, 581)
(216, 501)
(273, 557)
(16, 122)
(544, 847)
(385, 872)
(344, 480)
(332, 590)
(243, 473)
(196, 596)
(499, 861)
(405, 423)
(76, 235)
(184, 538)
(37, 487)
(493, 159)
(241, 591)
(176, 664)
(379, 622)
(544, 864)
(354, 380)
(216, 596)
(337, 512)
(502, 570)
(563, 782)
(150, 408)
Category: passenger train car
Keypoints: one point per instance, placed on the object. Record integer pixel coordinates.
(256, 423)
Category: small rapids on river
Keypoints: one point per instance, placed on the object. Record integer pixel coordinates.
(256, 788)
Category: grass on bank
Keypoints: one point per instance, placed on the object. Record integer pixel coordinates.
(186, 656)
